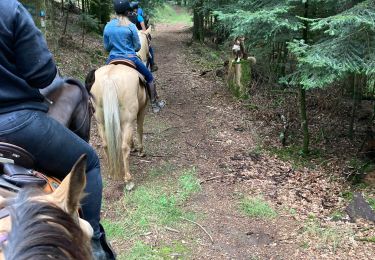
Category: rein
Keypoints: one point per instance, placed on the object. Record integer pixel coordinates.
(88, 107)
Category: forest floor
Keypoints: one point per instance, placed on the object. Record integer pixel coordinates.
(207, 189)
(204, 164)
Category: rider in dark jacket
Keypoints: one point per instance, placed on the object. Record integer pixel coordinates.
(26, 65)
(138, 18)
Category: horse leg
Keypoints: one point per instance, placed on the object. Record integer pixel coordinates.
(133, 149)
(126, 141)
(140, 121)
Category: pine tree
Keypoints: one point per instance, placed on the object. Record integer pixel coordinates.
(306, 43)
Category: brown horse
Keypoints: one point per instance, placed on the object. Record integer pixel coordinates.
(71, 106)
(120, 103)
(43, 225)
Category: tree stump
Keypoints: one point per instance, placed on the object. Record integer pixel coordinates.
(239, 77)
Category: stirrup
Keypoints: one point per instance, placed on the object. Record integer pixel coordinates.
(155, 107)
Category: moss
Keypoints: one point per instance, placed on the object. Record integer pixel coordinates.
(245, 80)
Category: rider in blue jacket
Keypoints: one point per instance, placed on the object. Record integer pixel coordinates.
(121, 40)
(142, 24)
(26, 65)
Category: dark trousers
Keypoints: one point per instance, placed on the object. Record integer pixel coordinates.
(55, 149)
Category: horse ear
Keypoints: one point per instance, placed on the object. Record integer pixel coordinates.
(77, 184)
(70, 191)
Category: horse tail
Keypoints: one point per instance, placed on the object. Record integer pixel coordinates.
(112, 128)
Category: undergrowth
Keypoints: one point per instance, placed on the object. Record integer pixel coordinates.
(257, 208)
(170, 15)
(141, 250)
(323, 237)
(153, 205)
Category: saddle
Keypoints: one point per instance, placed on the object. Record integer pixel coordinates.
(129, 64)
(16, 171)
(125, 62)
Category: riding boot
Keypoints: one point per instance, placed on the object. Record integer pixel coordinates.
(111, 255)
(101, 249)
(98, 252)
(155, 104)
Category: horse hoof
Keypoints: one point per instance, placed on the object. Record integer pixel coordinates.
(129, 186)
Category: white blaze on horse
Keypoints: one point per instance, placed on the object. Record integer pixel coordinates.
(120, 104)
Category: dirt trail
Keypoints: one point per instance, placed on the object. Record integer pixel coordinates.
(205, 131)
(203, 127)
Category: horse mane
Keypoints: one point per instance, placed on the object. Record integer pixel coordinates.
(84, 90)
(42, 231)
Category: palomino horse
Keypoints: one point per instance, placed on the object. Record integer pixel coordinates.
(71, 106)
(144, 52)
(120, 101)
(41, 226)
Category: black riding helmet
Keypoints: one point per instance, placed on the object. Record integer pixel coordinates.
(134, 5)
(121, 6)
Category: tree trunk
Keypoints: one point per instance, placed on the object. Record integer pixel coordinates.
(66, 23)
(302, 95)
(198, 18)
(354, 107)
(304, 122)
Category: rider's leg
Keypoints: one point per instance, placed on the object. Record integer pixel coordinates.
(153, 66)
(155, 104)
(56, 149)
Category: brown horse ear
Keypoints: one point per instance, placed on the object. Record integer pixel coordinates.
(70, 191)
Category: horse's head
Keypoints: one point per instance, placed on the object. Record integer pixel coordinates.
(69, 194)
(240, 40)
(48, 224)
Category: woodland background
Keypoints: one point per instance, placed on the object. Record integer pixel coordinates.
(310, 97)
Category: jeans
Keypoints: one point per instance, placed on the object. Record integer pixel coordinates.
(140, 66)
(55, 149)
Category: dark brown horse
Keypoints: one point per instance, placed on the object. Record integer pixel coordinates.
(70, 105)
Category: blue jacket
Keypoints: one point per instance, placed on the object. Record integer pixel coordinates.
(26, 64)
(140, 11)
(121, 41)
